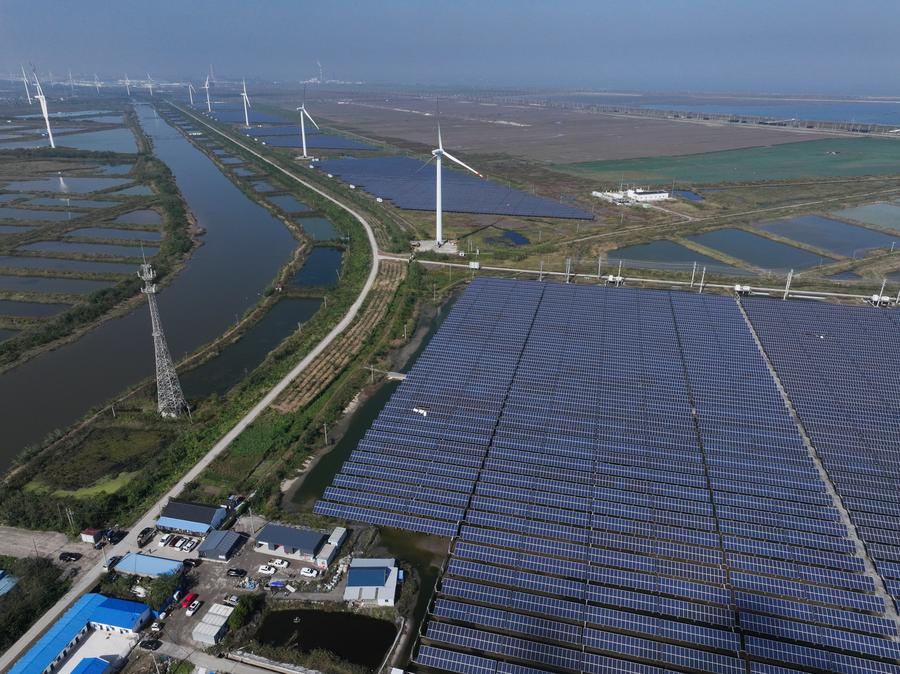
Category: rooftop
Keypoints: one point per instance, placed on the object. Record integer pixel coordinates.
(139, 564)
(291, 537)
(191, 512)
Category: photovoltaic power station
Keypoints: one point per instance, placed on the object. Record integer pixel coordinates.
(646, 481)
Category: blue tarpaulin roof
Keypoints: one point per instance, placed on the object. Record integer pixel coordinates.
(88, 608)
(147, 565)
(368, 577)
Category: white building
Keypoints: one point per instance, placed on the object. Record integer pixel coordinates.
(372, 581)
(213, 625)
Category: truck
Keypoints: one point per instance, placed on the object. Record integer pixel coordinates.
(474, 265)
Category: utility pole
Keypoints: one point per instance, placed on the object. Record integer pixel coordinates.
(787, 285)
(325, 427)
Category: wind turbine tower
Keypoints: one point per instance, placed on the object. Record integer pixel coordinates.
(191, 93)
(127, 86)
(439, 153)
(71, 84)
(170, 399)
(246, 100)
(97, 83)
(305, 115)
(43, 101)
(25, 80)
(150, 83)
(208, 104)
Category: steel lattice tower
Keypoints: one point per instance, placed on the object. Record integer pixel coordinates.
(170, 399)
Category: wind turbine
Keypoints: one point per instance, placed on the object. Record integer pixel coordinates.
(71, 84)
(191, 93)
(305, 114)
(127, 85)
(25, 80)
(208, 104)
(150, 83)
(43, 101)
(246, 100)
(439, 153)
(97, 83)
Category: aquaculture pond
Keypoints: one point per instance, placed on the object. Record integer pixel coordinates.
(355, 638)
(515, 238)
(144, 216)
(116, 169)
(758, 250)
(219, 281)
(263, 186)
(288, 204)
(845, 276)
(31, 309)
(24, 214)
(112, 233)
(831, 235)
(12, 196)
(15, 229)
(688, 195)
(31, 262)
(71, 203)
(664, 254)
(47, 284)
(319, 229)
(92, 248)
(321, 268)
(883, 214)
(108, 140)
(239, 358)
(66, 184)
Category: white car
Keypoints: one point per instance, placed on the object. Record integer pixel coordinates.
(267, 570)
(164, 539)
(279, 563)
(194, 607)
(189, 545)
(309, 573)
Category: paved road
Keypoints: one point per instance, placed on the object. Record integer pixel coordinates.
(208, 662)
(93, 574)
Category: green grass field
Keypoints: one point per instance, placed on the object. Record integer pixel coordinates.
(807, 159)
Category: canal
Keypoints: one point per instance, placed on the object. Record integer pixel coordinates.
(242, 249)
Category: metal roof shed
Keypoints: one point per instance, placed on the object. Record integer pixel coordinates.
(219, 545)
(292, 539)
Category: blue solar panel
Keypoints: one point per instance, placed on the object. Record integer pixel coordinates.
(409, 183)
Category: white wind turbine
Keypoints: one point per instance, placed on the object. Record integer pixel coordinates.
(25, 80)
(191, 93)
(438, 154)
(127, 85)
(43, 101)
(208, 104)
(246, 100)
(150, 83)
(305, 114)
(71, 84)
(97, 82)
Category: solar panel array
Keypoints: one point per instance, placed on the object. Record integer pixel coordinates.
(409, 183)
(625, 489)
(839, 366)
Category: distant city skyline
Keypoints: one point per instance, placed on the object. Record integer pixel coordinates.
(802, 47)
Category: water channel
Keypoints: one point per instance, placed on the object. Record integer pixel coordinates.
(243, 248)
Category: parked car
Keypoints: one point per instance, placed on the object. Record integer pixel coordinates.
(111, 562)
(236, 573)
(151, 644)
(178, 542)
(164, 540)
(157, 626)
(189, 545)
(230, 600)
(279, 563)
(194, 607)
(308, 573)
(188, 599)
(115, 536)
(191, 562)
(267, 570)
(69, 556)
(145, 536)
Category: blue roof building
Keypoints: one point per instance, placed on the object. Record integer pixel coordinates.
(7, 582)
(91, 666)
(137, 564)
(372, 581)
(190, 518)
(89, 611)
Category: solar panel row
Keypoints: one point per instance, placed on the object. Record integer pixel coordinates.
(626, 489)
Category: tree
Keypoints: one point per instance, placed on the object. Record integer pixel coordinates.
(162, 589)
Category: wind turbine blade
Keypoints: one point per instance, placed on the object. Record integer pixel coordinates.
(309, 117)
(464, 165)
(425, 164)
(440, 142)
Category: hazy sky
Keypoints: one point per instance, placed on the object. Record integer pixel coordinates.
(803, 46)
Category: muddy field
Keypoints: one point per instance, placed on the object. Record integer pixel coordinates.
(537, 133)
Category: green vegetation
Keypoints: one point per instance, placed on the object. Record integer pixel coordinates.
(161, 589)
(807, 159)
(248, 605)
(39, 587)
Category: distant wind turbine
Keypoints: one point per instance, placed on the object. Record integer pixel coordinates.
(439, 153)
(246, 100)
(150, 83)
(43, 101)
(25, 80)
(127, 85)
(208, 104)
(97, 82)
(71, 84)
(306, 115)
(321, 72)
(191, 93)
